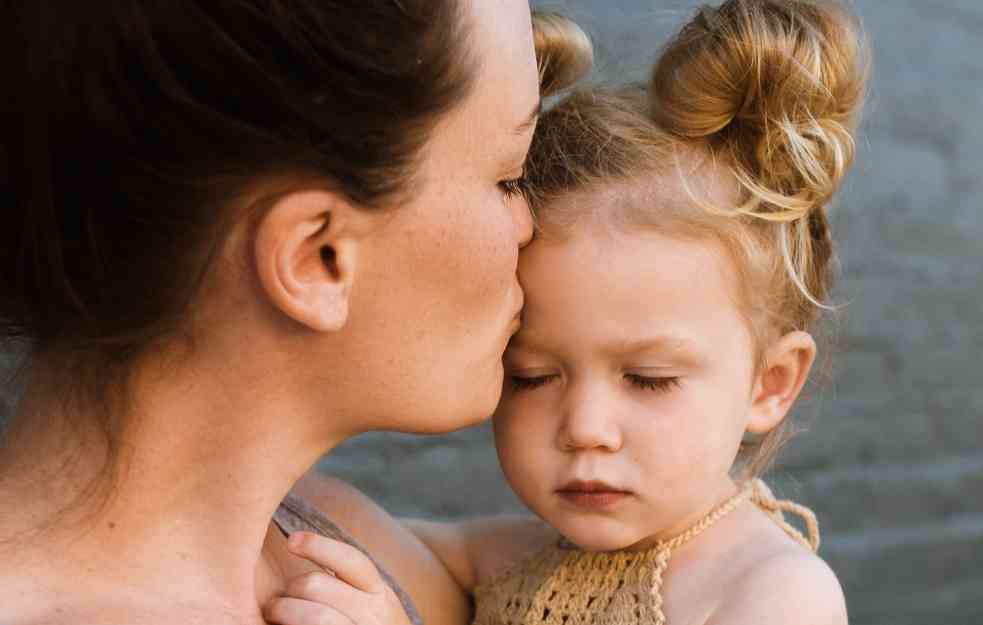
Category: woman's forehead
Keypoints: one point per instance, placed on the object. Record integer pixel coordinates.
(507, 85)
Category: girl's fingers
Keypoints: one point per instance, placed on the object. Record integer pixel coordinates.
(327, 589)
(346, 562)
(291, 611)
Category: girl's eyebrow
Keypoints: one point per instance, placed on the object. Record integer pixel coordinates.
(524, 343)
(679, 347)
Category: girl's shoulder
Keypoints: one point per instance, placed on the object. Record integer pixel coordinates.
(775, 580)
(786, 588)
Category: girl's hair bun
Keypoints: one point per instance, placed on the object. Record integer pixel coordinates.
(773, 87)
(563, 50)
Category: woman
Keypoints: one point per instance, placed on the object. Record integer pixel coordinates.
(237, 233)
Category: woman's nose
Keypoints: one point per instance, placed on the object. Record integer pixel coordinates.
(589, 423)
(522, 218)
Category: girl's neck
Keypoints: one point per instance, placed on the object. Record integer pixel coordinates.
(199, 473)
(713, 498)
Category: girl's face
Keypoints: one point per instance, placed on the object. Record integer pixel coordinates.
(628, 387)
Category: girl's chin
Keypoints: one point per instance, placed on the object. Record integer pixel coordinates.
(594, 545)
(596, 539)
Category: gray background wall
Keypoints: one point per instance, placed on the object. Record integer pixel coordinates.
(892, 461)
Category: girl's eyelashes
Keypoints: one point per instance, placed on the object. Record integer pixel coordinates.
(656, 384)
(660, 385)
(531, 383)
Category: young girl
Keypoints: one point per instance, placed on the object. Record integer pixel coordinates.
(682, 256)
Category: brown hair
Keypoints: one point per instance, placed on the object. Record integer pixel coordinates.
(563, 51)
(138, 128)
(759, 96)
(136, 124)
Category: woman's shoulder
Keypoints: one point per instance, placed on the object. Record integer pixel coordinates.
(53, 604)
(410, 563)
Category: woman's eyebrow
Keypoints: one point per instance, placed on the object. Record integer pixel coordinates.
(530, 121)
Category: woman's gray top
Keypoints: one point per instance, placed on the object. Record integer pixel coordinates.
(295, 515)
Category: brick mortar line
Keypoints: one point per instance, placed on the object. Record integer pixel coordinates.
(944, 468)
(965, 527)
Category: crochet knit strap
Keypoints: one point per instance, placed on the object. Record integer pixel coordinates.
(564, 585)
(704, 524)
(762, 496)
(665, 548)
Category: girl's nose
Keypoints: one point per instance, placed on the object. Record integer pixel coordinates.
(589, 423)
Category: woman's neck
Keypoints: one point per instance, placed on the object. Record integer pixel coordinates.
(199, 471)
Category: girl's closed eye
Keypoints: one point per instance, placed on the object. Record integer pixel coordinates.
(530, 382)
(662, 384)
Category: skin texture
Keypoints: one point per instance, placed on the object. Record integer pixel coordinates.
(319, 320)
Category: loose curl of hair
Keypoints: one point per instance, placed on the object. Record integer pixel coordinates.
(761, 95)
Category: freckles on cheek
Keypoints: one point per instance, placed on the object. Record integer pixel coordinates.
(492, 258)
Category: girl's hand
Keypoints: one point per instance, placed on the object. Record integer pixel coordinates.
(348, 591)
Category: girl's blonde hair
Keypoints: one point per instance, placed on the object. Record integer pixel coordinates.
(564, 54)
(758, 97)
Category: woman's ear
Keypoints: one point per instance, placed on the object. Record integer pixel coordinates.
(777, 386)
(306, 254)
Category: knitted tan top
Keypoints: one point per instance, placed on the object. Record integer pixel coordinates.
(564, 586)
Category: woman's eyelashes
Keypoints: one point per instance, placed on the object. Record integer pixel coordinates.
(512, 187)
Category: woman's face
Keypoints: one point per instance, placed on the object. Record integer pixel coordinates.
(438, 299)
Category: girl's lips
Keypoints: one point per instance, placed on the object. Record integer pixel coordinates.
(599, 500)
(592, 494)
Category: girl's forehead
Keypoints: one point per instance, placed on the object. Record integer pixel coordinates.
(606, 288)
(678, 197)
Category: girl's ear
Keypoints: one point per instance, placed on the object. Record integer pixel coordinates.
(777, 386)
(306, 255)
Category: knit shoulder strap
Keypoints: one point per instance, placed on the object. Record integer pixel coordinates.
(762, 496)
(664, 549)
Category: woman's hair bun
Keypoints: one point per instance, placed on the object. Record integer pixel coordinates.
(774, 88)
(563, 50)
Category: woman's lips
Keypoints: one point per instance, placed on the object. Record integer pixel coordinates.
(592, 494)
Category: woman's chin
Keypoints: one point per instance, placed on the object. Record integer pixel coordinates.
(457, 417)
